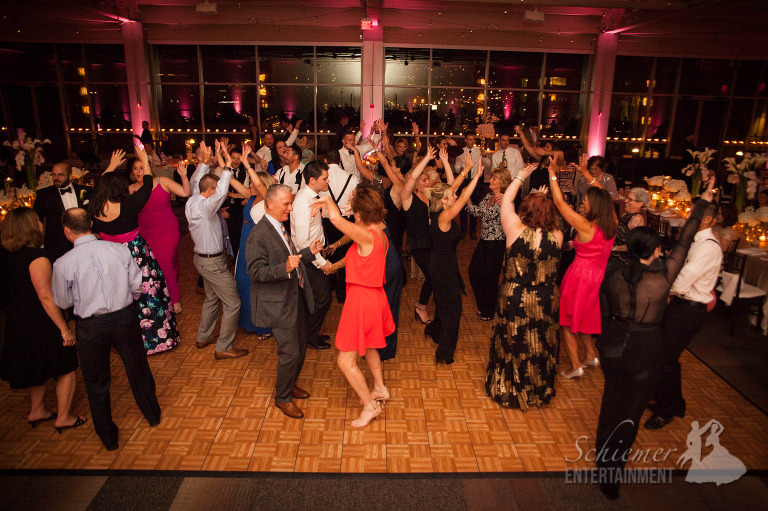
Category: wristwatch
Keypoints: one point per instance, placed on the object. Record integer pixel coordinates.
(553, 178)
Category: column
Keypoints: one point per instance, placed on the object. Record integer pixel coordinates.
(602, 87)
(136, 70)
(372, 96)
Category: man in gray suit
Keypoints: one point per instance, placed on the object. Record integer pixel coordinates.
(281, 295)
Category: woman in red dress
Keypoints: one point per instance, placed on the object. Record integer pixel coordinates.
(366, 319)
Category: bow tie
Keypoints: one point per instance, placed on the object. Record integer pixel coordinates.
(66, 190)
(351, 151)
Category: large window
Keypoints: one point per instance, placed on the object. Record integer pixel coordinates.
(263, 85)
(658, 103)
(448, 92)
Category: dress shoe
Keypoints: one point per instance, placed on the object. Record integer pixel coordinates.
(323, 337)
(299, 393)
(319, 345)
(153, 422)
(201, 345)
(576, 373)
(595, 362)
(656, 422)
(233, 353)
(290, 409)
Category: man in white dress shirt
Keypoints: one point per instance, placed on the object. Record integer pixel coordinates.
(304, 230)
(478, 156)
(208, 194)
(290, 174)
(263, 156)
(340, 187)
(507, 157)
(684, 317)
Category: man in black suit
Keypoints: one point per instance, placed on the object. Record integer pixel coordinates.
(51, 202)
(281, 294)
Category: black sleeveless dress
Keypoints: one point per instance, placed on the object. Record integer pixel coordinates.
(33, 352)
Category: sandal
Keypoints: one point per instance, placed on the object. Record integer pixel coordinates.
(486, 318)
(177, 308)
(420, 312)
(37, 422)
(367, 415)
(263, 337)
(79, 422)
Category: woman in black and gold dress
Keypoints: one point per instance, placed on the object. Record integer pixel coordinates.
(522, 364)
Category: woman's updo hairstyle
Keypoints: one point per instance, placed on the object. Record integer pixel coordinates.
(435, 196)
(642, 242)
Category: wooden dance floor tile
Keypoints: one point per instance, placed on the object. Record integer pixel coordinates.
(220, 415)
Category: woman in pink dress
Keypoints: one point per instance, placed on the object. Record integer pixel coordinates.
(157, 223)
(366, 319)
(580, 290)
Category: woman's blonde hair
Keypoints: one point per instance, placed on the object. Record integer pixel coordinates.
(435, 196)
(504, 178)
(266, 179)
(21, 229)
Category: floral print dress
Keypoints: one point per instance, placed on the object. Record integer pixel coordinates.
(154, 306)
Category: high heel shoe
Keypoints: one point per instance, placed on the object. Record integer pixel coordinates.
(576, 373)
(79, 422)
(367, 415)
(420, 312)
(37, 422)
(380, 397)
(594, 362)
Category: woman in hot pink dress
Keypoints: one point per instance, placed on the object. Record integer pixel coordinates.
(157, 223)
(580, 290)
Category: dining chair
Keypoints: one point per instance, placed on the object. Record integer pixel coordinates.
(656, 223)
(732, 246)
(566, 179)
(747, 299)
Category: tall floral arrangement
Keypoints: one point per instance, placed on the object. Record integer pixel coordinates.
(744, 176)
(698, 169)
(29, 154)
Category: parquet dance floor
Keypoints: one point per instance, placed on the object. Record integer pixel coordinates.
(219, 416)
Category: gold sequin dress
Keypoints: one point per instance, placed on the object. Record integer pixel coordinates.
(524, 346)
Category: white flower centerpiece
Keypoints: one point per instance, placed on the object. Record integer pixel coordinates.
(29, 154)
(698, 169)
(744, 176)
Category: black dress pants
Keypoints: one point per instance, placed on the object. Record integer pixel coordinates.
(444, 328)
(95, 337)
(321, 291)
(291, 349)
(683, 319)
(421, 256)
(484, 271)
(629, 382)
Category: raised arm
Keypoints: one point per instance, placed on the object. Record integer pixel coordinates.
(676, 259)
(447, 167)
(583, 227)
(406, 194)
(584, 171)
(395, 177)
(416, 137)
(468, 164)
(356, 232)
(386, 146)
(447, 215)
(510, 222)
(118, 157)
(171, 186)
(526, 144)
(364, 171)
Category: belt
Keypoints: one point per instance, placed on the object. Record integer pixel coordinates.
(210, 256)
